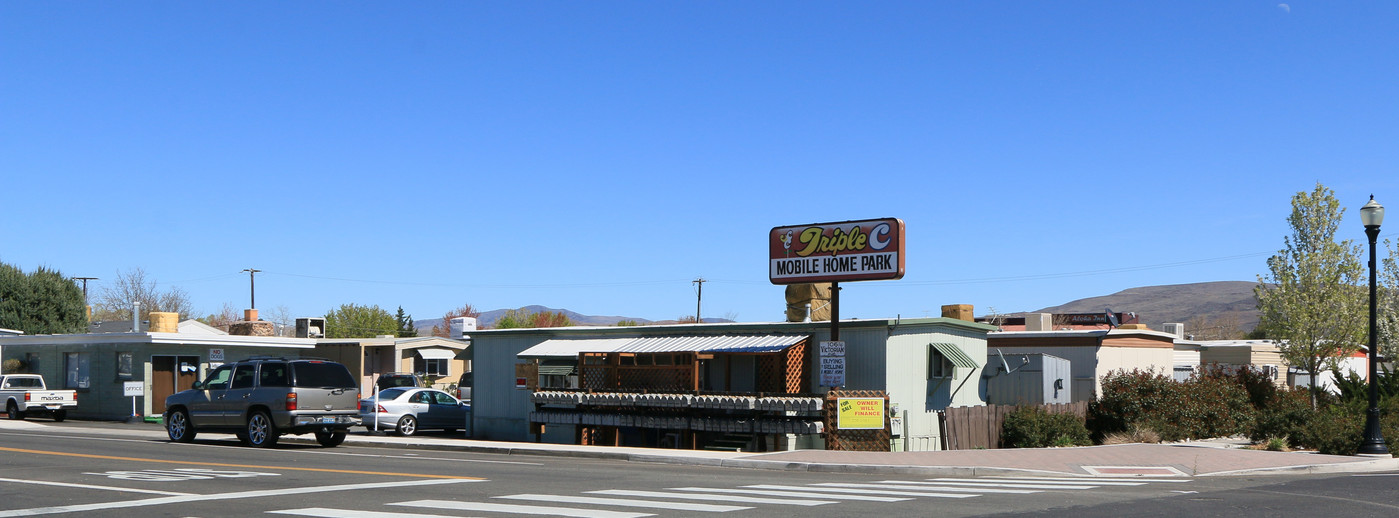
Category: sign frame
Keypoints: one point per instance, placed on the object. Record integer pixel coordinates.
(858, 250)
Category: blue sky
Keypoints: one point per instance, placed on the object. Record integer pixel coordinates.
(599, 156)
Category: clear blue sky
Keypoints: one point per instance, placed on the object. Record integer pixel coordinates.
(598, 156)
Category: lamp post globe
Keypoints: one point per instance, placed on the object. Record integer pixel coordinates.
(1372, 215)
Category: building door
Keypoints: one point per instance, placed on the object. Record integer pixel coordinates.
(171, 374)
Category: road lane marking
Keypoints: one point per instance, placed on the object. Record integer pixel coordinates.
(325, 512)
(1010, 484)
(861, 491)
(225, 465)
(792, 494)
(521, 509)
(90, 486)
(626, 502)
(893, 484)
(718, 498)
(78, 508)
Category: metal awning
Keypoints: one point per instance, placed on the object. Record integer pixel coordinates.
(558, 367)
(568, 348)
(955, 355)
(433, 353)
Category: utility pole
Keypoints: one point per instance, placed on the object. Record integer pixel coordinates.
(699, 294)
(252, 287)
(84, 279)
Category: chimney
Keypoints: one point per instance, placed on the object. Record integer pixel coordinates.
(959, 312)
(164, 322)
(251, 326)
(1039, 322)
(135, 316)
(250, 315)
(808, 302)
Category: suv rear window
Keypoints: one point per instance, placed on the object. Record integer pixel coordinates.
(322, 375)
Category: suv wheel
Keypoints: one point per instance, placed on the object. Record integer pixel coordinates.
(330, 439)
(178, 426)
(407, 426)
(262, 432)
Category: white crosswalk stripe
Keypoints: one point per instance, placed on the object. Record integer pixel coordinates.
(792, 494)
(324, 512)
(1098, 480)
(931, 484)
(910, 492)
(520, 509)
(719, 498)
(626, 502)
(895, 484)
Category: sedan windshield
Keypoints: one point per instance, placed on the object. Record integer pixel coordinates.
(393, 393)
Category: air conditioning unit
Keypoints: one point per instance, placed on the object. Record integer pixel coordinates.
(1175, 329)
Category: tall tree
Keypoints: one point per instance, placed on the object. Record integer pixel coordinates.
(134, 286)
(444, 330)
(356, 321)
(40, 302)
(1388, 303)
(223, 319)
(1312, 301)
(403, 324)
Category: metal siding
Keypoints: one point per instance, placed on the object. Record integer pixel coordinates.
(499, 410)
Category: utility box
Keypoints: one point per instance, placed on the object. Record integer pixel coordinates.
(1027, 379)
(310, 327)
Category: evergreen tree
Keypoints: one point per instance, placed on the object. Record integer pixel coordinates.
(41, 302)
(404, 323)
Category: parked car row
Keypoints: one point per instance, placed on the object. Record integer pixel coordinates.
(262, 398)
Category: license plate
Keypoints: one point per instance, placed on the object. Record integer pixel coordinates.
(327, 420)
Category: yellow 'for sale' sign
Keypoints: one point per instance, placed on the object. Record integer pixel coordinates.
(860, 413)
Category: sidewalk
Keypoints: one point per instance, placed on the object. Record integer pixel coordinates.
(1153, 460)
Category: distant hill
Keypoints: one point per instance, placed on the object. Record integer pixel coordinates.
(488, 318)
(1200, 305)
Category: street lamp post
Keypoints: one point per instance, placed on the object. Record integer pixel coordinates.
(1372, 214)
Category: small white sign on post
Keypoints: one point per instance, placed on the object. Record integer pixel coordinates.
(133, 389)
(216, 354)
(832, 359)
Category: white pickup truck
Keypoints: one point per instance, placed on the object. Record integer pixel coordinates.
(26, 393)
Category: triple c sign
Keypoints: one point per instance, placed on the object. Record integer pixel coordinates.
(834, 252)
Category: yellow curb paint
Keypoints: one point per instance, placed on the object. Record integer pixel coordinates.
(224, 465)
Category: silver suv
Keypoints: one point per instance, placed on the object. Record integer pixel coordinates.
(259, 399)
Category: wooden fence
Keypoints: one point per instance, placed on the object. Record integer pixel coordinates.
(979, 427)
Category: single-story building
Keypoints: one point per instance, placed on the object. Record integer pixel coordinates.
(1093, 353)
(695, 384)
(165, 359)
(439, 361)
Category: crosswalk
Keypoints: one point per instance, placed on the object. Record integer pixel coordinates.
(638, 503)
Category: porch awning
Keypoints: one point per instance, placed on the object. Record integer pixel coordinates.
(432, 353)
(558, 367)
(569, 348)
(955, 355)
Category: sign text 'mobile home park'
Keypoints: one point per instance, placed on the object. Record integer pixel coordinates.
(836, 252)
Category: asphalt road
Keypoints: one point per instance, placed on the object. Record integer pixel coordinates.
(63, 472)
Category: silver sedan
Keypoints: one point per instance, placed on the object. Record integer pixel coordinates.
(406, 410)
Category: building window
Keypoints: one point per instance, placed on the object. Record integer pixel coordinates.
(31, 363)
(124, 365)
(938, 364)
(435, 367)
(76, 370)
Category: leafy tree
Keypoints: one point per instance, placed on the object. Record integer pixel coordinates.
(1311, 299)
(404, 324)
(133, 286)
(356, 321)
(1388, 302)
(223, 319)
(40, 302)
(627, 323)
(521, 318)
(466, 310)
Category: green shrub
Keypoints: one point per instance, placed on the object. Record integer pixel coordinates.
(1202, 407)
(1287, 415)
(1336, 430)
(1032, 427)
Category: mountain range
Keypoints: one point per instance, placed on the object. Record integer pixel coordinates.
(1223, 309)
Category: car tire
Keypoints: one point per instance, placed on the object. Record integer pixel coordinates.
(261, 431)
(407, 425)
(12, 411)
(178, 426)
(330, 439)
(59, 415)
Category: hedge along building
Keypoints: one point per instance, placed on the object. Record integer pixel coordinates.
(924, 365)
(165, 359)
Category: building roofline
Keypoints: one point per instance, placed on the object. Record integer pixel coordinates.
(741, 327)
